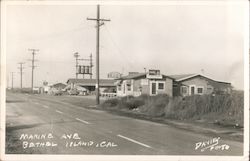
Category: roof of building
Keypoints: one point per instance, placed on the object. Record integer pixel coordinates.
(138, 75)
(133, 76)
(180, 77)
(183, 77)
(92, 82)
(58, 85)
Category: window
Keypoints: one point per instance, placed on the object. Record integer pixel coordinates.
(200, 90)
(119, 88)
(129, 87)
(184, 90)
(192, 89)
(161, 86)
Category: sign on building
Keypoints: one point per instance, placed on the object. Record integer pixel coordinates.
(114, 75)
(154, 74)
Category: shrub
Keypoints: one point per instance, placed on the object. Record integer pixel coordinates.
(134, 103)
(222, 107)
(154, 105)
(110, 103)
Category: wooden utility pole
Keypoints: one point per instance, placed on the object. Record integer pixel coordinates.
(32, 66)
(91, 65)
(98, 24)
(21, 74)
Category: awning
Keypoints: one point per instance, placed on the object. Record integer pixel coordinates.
(118, 82)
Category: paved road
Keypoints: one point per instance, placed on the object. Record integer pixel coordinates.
(94, 131)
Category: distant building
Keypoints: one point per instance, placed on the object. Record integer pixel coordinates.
(151, 83)
(36, 90)
(58, 86)
(191, 84)
(90, 84)
(114, 75)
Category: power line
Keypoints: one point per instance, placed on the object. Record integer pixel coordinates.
(33, 66)
(98, 24)
(117, 47)
(21, 74)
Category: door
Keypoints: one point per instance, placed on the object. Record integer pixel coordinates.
(153, 88)
(192, 90)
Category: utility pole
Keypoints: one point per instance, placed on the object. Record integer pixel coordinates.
(33, 66)
(21, 74)
(98, 24)
(91, 65)
(76, 55)
(12, 79)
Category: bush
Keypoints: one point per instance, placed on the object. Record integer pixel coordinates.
(110, 103)
(219, 108)
(130, 102)
(223, 107)
(155, 105)
(134, 103)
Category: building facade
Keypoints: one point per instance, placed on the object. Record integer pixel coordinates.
(89, 85)
(196, 84)
(151, 83)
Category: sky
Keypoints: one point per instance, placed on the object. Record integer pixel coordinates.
(176, 39)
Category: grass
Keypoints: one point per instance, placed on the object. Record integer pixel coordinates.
(227, 110)
(220, 109)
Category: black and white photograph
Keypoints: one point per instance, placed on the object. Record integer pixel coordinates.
(95, 80)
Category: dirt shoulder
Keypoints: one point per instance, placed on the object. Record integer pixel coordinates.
(197, 126)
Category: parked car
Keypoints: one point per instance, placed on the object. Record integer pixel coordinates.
(73, 92)
(57, 92)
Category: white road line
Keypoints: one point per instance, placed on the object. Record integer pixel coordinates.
(59, 111)
(92, 106)
(86, 122)
(45, 106)
(134, 141)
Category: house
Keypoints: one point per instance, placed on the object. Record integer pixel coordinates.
(54, 88)
(151, 83)
(90, 84)
(191, 84)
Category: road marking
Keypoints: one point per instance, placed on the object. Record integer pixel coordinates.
(134, 141)
(45, 106)
(86, 122)
(59, 111)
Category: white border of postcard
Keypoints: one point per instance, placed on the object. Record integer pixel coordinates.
(245, 7)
